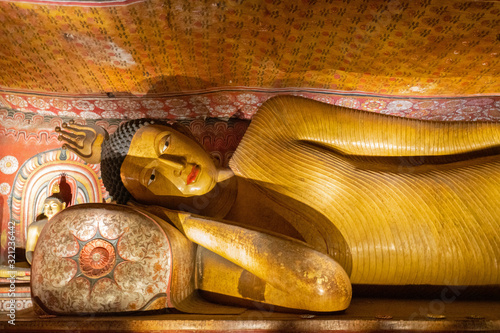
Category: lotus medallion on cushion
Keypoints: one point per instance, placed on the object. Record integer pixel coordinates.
(101, 258)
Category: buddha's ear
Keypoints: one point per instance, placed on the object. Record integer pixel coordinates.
(224, 174)
(63, 206)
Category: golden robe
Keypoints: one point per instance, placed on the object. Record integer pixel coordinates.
(415, 202)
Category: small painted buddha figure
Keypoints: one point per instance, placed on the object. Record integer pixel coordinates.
(393, 201)
(51, 206)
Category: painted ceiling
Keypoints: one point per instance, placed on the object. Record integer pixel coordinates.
(155, 47)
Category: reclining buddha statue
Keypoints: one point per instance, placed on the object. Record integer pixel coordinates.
(316, 197)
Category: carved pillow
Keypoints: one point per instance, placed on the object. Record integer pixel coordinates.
(102, 258)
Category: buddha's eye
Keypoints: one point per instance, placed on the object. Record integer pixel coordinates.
(152, 177)
(166, 144)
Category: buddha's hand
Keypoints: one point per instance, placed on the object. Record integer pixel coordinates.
(84, 140)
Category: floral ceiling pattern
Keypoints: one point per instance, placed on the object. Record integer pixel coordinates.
(395, 47)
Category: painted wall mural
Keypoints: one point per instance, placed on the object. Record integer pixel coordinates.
(36, 178)
(22, 298)
(243, 103)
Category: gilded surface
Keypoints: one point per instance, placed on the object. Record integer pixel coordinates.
(404, 220)
(86, 262)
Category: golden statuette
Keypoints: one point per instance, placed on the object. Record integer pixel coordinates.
(51, 206)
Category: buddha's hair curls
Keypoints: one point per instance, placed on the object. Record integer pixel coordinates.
(113, 153)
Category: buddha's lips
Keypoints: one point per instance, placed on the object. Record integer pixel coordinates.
(193, 174)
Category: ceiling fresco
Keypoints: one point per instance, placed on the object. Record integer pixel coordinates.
(156, 47)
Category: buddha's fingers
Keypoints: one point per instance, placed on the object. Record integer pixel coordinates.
(91, 132)
(75, 150)
(69, 142)
(72, 125)
(87, 132)
(77, 136)
(68, 147)
(76, 140)
(84, 140)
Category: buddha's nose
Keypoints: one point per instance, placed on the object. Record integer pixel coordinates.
(172, 161)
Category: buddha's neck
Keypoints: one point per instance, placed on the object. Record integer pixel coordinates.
(216, 203)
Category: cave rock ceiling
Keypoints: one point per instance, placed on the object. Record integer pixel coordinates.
(187, 59)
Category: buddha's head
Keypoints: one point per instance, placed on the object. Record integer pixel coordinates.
(55, 202)
(53, 205)
(149, 160)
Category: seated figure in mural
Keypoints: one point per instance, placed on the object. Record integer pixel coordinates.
(393, 201)
(51, 206)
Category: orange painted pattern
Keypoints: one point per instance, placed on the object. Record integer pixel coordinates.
(395, 47)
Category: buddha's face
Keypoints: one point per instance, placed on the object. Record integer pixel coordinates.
(52, 206)
(164, 162)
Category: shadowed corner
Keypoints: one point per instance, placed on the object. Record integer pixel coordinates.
(159, 86)
(65, 190)
(163, 86)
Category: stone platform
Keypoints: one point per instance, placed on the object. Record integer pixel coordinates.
(363, 315)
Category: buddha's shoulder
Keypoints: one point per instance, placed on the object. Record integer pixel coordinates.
(39, 223)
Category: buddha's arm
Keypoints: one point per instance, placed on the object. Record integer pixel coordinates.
(295, 275)
(33, 233)
(355, 132)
